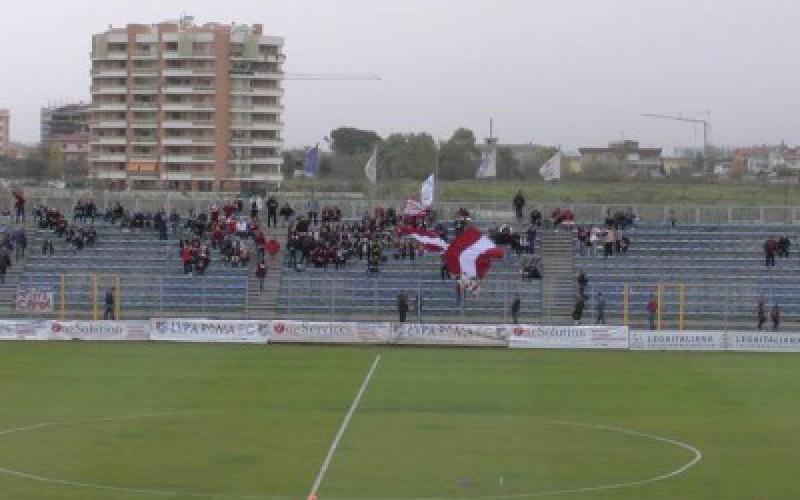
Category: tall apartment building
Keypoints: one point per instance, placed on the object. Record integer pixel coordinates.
(64, 120)
(181, 106)
(5, 132)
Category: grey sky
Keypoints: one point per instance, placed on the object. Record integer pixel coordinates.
(570, 72)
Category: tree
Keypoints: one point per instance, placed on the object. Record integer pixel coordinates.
(406, 156)
(459, 157)
(508, 167)
(352, 141)
(287, 168)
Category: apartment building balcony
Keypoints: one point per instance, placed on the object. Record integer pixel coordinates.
(109, 90)
(188, 141)
(108, 157)
(145, 55)
(109, 141)
(144, 106)
(150, 123)
(187, 158)
(111, 56)
(149, 72)
(144, 140)
(256, 142)
(106, 123)
(109, 106)
(144, 89)
(188, 89)
(256, 125)
(109, 73)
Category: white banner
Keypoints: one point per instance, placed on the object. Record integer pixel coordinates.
(18, 330)
(93, 330)
(209, 330)
(677, 341)
(764, 341)
(328, 333)
(568, 337)
(444, 334)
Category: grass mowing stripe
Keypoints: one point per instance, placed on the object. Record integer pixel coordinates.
(335, 444)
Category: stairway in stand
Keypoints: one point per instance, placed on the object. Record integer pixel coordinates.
(558, 273)
(263, 305)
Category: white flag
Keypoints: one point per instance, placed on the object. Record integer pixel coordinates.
(426, 191)
(371, 168)
(551, 169)
(488, 164)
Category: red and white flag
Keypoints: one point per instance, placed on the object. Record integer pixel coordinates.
(429, 239)
(471, 253)
(413, 207)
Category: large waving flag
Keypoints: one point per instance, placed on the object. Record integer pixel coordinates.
(311, 165)
(488, 165)
(371, 168)
(471, 253)
(429, 239)
(426, 191)
(551, 169)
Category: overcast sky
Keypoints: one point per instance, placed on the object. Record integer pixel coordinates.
(569, 72)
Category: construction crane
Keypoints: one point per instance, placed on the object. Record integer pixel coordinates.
(331, 76)
(706, 123)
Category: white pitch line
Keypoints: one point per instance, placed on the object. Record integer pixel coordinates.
(335, 444)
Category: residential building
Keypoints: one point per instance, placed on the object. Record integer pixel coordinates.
(626, 155)
(71, 149)
(64, 120)
(182, 106)
(5, 132)
(765, 159)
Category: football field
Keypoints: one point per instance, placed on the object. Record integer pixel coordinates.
(139, 421)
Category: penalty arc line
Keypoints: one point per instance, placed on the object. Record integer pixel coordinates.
(343, 427)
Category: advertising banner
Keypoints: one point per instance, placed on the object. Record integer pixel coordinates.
(93, 330)
(34, 299)
(764, 341)
(329, 332)
(444, 334)
(209, 330)
(677, 341)
(568, 337)
(18, 330)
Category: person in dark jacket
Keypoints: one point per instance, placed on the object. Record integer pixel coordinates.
(783, 246)
(261, 273)
(519, 204)
(770, 249)
(109, 311)
(577, 313)
(272, 212)
(775, 316)
(402, 306)
(516, 304)
(762, 312)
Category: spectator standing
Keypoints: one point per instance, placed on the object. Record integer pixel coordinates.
(3, 268)
(261, 273)
(19, 206)
(286, 212)
(608, 245)
(652, 309)
(519, 204)
(577, 313)
(783, 246)
(770, 249)
(516, 304)
(583, 283)
(20, 243)
(254, 210)
(272, 212)
(600, 304)
(762, 312)
(109, 311)
(402, 306)
(775, 316)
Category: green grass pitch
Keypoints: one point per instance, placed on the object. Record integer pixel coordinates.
(139, 421)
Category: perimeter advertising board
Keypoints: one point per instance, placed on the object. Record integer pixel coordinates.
(678, 341)
(445, 334)
(328, 332)
(209, 330)
(18, 330)
(93, 330)
(568, 337)
(764, 341)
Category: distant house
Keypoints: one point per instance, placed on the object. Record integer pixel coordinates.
(626, 155)
(764, 159)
